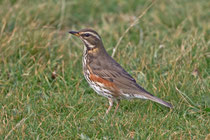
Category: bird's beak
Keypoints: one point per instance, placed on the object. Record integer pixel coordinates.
(74, 33)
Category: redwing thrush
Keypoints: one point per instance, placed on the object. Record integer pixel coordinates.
(105, 75)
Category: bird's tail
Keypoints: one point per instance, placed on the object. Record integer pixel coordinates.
(158, 100)
(143, 94)
(151, 97)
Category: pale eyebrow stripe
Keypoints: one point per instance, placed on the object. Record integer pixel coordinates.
(93, 34)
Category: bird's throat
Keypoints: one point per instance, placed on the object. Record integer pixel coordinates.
(90, 50)
(93, 50)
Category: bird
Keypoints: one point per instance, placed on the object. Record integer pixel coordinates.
(106, 76)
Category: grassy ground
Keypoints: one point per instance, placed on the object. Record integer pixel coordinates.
(167, 52)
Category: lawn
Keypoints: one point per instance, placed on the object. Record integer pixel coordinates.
(43, 94)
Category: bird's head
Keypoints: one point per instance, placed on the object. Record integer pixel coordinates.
(90, 38)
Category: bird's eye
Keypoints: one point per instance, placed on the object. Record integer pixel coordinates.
(86, 35)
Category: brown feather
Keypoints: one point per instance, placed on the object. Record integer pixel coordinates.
(113, 72)
(100, 69)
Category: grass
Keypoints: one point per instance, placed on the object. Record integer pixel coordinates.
(167, 52)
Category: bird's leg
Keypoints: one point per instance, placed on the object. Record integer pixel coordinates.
(118, 103)
(110, 105)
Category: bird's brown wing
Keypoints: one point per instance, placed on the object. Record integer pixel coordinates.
(113, 72)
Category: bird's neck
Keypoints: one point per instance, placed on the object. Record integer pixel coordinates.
(94, 53)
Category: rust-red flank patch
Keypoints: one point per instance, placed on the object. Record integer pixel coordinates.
(101, 80)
